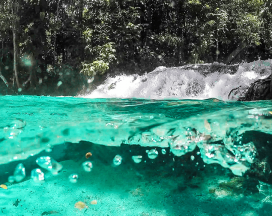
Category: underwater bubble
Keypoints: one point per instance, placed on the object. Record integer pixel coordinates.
(87, 166)
(163, 151)
(73, 178)
(11, 179)
(152, 154)
(15, 128)
(137, 158)
(44, 162)
(18, 124)
(48, 150)
(20, 89)
(49, 164)
(192, 157)
(41, 127)
(177, 150)
(11, 133)
(37, 175)
(117, 160)
(19, 172)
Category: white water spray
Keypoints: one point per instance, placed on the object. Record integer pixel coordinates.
(178, 83)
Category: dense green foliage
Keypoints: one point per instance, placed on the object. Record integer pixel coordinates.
(100, 36)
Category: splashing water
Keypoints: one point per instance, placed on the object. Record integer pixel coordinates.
(170, 83)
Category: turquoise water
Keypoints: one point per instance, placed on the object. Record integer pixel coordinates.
(134, 132)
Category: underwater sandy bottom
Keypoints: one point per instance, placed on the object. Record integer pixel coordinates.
(124, 191)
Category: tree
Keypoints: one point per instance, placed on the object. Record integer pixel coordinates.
(9, 17)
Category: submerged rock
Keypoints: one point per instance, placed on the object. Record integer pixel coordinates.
(240, 185)
(261, 167)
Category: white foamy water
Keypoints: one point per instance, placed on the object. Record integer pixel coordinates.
(178, 83)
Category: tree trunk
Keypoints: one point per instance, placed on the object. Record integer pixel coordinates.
(80, 17)
(2, 53)
(217, 50)
(32, 79)
(15, 43)
(4, 79)
(55, 38)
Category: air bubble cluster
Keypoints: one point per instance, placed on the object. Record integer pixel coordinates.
(73, 178)
(152, 154)
(137, 158)
(14, 129)
(19, 172)
(49, 164)
(117, 160)
(87, 166)
(37, 175)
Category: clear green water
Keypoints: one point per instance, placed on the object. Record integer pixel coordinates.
(211, 129)
(46, 121)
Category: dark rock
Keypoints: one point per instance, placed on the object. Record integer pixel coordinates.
(259, 90)
(238, 93)
(261, 167)
(240, 185)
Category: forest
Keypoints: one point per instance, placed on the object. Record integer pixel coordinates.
(55, 47)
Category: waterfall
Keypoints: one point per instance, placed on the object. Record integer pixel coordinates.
(182, 83)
